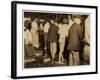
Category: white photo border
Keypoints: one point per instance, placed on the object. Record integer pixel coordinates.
(17, 40)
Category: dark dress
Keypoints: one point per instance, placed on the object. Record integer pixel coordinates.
(74, 38)
(52, 34)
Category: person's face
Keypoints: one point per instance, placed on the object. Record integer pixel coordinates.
(69, 16)
(35, 19)
(65, 20)
(77, 20)
(47, 22)
(41, 24)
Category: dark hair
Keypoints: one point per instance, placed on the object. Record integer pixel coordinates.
(65, 20)
(27, 25)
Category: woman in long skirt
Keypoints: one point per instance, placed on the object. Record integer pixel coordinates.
(34, 32)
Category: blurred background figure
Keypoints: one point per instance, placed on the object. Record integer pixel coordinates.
(27, 41)
(41, 37)
(34, 32)
(86, 53)
(46, 30)
(74, 38)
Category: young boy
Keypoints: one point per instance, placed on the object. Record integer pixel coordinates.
(74, 38)
(52, 38)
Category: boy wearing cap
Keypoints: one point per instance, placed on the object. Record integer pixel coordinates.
(74, 38)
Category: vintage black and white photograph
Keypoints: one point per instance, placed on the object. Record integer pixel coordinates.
(52, 39)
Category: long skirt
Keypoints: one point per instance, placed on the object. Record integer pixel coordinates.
(28, 51)
(35, 38)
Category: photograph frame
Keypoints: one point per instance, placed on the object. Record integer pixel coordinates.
(14, 38)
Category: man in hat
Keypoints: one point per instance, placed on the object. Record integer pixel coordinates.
(74, 38)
